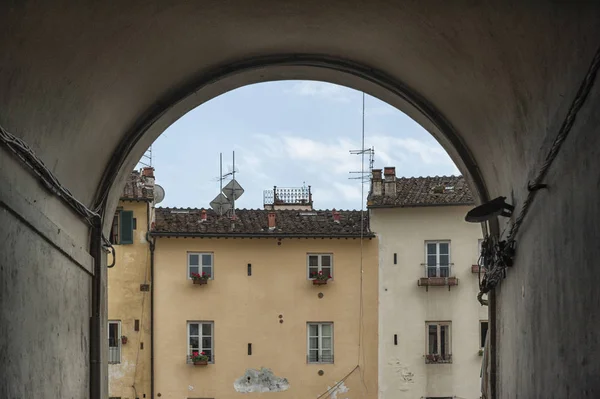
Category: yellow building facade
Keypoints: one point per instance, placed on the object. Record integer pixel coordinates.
(260, 317)
(129, 301)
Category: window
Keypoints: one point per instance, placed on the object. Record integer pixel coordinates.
(200, 263)
(320, 343)
(437, 254)
(122, 228)
(114, 342)
(200, 339)
(483, 329)
(320, 263)
(439, 343)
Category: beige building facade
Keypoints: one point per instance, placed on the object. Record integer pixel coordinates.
(265, 325)
(431, 327)
(129, 301)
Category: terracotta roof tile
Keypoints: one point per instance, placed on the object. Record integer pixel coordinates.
(425, 191)
(136, 188)
(254, 222)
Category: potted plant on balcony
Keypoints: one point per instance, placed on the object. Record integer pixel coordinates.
(319, 278)
(198, 278)
(199, 359)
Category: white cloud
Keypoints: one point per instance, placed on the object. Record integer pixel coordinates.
(326, 163)
(324, 90)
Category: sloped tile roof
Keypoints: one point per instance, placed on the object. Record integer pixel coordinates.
(254, 222)
(425, 191)
(136, 188)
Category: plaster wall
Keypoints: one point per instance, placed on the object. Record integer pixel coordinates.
(245, 309)
(44, 294)
(404, 307)
(126, 303)
(549, 303)
(89, 86)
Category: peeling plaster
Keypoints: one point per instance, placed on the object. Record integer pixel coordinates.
(262, 380)
(342, 388)
(403, 370)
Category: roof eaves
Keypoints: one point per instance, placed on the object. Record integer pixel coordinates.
(417, 205)
(256, 235)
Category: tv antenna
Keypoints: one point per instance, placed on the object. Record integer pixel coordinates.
(364, 175)
(146, 159)
(228, 194)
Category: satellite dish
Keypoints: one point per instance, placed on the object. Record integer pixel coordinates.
(220, 204)
(159, 194)
(233, 190)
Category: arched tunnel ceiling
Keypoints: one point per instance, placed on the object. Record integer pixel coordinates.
(77, 79)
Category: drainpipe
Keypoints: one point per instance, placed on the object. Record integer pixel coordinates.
(152, 244)
(95, 318)
(492, 342)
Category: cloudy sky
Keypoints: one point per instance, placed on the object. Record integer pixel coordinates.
(288, 134)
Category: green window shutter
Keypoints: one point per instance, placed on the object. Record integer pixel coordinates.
(126, 227)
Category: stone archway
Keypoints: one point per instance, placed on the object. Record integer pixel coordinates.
(89, 86)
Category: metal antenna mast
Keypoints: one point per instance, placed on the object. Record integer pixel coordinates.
(364, 176)
(146, 159)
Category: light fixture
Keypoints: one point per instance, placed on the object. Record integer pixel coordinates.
(489, 210)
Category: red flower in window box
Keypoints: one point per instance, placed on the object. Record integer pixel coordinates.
(319, 278)
(199, 359)
(200, 279)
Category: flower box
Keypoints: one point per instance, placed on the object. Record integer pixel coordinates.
(475, 269)
(200, 279)
(319, 282)
(199, 358)
(438, 359)
(437, 282)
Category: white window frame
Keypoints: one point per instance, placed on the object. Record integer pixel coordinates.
(320, 337)
(437, 258)
(117, 351)
(200, 266)
(487, 331)
(320, 265)
(200, 336)
(438, 324)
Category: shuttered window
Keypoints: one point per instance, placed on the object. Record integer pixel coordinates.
(126, 221)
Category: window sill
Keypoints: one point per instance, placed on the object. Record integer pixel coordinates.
(437, 282)
(437, 359)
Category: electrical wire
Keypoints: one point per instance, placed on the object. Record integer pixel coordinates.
(361, 349)
(496, 264)
(28, 157)
(565, 129)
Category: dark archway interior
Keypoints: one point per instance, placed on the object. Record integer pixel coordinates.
(90, 85)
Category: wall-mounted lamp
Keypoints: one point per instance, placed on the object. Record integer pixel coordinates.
(489, 210)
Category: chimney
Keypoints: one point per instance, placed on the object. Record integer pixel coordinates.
(336, 216)
(203, 216)
(376, 183)
(389, 173)
(148, 171)
(271, 217)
